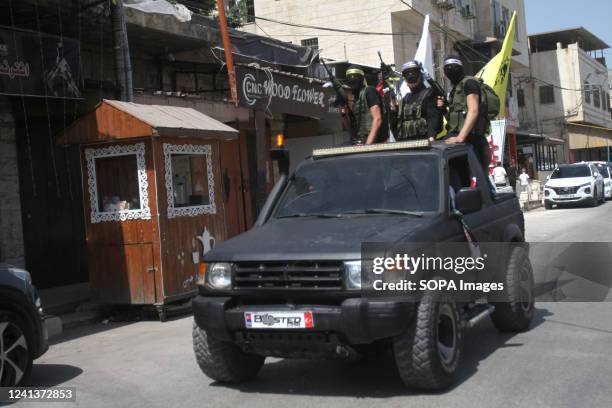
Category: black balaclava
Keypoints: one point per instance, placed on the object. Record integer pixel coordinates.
(411, 72)
(453, 69)
(355, 78)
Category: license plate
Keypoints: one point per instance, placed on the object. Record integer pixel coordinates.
(568, 195)
(278, 320)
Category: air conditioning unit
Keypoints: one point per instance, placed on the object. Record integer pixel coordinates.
(444, 4)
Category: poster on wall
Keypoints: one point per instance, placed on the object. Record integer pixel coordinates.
(34, 64)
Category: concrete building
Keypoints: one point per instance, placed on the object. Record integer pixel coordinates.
(610, 91)
(389, 26)
(565, 99)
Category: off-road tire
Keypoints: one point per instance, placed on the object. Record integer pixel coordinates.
(417, 355)
(13, 326)
(515, 312)
(223, 361)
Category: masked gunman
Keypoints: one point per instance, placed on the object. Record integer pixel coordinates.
(366, 106)
(465, 121)
(418, 115)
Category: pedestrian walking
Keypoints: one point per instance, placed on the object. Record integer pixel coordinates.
(524, 177)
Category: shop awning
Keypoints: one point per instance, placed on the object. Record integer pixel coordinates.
(115, 120)
(525, 137)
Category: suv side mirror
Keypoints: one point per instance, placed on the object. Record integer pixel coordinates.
(468, 200)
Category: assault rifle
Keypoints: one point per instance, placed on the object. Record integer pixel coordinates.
(387, 71)
(341, 98)
(435, 86)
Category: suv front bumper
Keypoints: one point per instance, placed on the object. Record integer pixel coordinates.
(356, 320)
(579, 196)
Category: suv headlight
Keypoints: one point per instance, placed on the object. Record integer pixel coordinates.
(352, 274)
(219, 275)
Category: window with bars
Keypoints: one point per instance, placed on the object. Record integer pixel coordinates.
(311, 43)
(547, 94)
(587, 92)
(596, 97)
(250, 11)
(520, 97)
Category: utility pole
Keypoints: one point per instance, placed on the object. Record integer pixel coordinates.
(443, 40)
(227, 46)
(123, 64)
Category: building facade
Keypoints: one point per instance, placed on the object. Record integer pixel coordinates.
(566, 99)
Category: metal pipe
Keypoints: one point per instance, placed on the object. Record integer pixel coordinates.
(227, 46)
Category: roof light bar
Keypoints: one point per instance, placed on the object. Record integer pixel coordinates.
(379, 147)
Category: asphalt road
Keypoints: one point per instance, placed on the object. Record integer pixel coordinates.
(563, 361)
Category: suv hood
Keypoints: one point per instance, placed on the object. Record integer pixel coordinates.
(568, 182)
(320, 238)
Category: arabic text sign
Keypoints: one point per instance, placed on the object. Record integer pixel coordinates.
(39, 65)
(269, 91)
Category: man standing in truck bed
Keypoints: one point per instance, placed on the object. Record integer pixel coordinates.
(466, 123)
(366, 106)
(418, 115)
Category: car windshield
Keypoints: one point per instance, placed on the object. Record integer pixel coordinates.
(603, 169)
(571, 171)
(398, 184)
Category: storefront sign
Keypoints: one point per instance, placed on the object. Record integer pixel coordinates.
(265, 90)
(39, 65)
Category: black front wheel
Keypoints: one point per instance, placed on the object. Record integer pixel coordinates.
(223, 361)
(15, 355)
(427, 355)
(515, 311)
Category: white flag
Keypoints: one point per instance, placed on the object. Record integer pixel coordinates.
(424, 55)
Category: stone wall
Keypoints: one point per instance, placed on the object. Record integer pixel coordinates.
(11, 231)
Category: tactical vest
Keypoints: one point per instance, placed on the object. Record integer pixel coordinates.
(363, 119)
(457, 110)
(412, 124)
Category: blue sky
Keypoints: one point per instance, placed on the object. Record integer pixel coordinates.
(550, 15)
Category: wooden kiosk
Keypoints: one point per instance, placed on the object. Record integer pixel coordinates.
(152, 199)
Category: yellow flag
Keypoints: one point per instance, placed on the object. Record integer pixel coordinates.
(495, 73)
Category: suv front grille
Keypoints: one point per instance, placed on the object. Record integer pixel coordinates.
(565, 190)
(318, 276)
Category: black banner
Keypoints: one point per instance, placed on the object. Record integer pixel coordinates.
(270, 50)
(39, 65)
(266, 90)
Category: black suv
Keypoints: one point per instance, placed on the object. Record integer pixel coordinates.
(292, 286)
(23, 334)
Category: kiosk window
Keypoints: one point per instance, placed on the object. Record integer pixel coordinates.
(190, 180)
(117, 179)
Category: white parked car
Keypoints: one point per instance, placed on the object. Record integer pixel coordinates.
(604, 169)
(579, 183)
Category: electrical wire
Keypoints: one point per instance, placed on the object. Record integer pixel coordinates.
(337, 30)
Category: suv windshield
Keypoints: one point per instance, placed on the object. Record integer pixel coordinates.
(603, 169)
(382, 184)
(571, 171)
